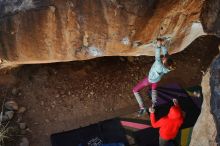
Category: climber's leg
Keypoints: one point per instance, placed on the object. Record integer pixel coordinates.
(154, 93)
(143, 83)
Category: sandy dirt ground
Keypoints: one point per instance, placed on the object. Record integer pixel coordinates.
(65, 96)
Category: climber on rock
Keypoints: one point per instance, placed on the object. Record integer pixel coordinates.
(168, 125)
(158, 69)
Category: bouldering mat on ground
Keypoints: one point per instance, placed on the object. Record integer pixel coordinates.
(106, 132)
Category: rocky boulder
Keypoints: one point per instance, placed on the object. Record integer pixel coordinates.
(206, 131)
(40, 31)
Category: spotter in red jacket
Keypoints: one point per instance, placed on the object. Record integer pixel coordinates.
(170, 124)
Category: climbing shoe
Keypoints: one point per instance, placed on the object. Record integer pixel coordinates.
(142, 111)
(153, 105)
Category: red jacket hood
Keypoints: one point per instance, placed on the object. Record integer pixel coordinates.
(175, 112)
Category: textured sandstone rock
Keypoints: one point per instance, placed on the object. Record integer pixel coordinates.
(206, 130)
(77, 30)
(215, 95)
(210, 16)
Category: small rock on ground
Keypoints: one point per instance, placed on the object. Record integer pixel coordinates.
(9, 114)
(22, 125)
(24, 142)
(11, 105)
(14, 91)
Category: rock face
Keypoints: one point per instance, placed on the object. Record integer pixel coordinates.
(215, 92)
(10, 7)
(210, 16)
(206, 130)
(51, 31)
